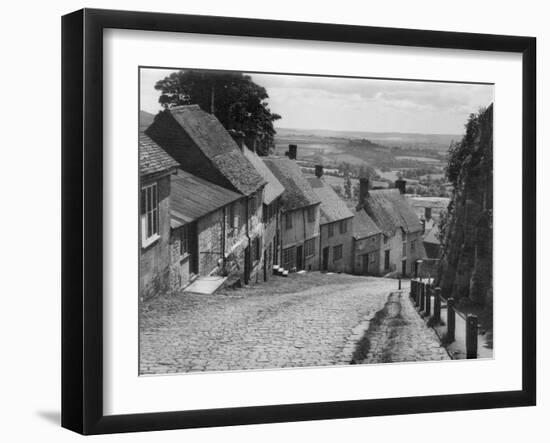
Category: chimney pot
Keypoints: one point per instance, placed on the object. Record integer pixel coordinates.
(400, 184)
(364, 185)
(428, 213)
(238, 136)
(292, 151)
(319, 171)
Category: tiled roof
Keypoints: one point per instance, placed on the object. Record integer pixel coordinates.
(152, 158)
(192, 197)
(218, 146)
(432, 236)
(390, 210)
(274, 188)
(332, 207)
(298, 192)
(363, 225)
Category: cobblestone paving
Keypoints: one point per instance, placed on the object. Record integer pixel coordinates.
(304, 320)
(399, 334)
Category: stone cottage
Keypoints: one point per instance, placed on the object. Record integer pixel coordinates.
(273, 192)
(201, 146)
(155, 169)
(401, 229)
(367, 242)
(300, 216)
(335, 240)
(199, 228)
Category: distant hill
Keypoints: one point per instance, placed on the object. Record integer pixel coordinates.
(438, 142)
(145, 120)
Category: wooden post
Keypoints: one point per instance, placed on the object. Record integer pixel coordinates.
(414, 291)
(428, 304)
(422, 296)
(451, 320)
(399, 287)
(471, 336)
(437, 306)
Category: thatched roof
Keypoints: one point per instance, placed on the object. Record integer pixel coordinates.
(274, 187)
(203, 147)
(152, 158)
(391, 211)
(363, 225)
(298, 193)
(332, 207)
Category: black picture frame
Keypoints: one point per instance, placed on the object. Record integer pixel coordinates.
(82, 215)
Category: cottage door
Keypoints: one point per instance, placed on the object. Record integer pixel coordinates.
(365, 264)
(404, 267)
(193, 245)
(247, 265)
(299, 258)
(325, 258)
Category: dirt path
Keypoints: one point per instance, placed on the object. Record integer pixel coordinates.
(397, 334)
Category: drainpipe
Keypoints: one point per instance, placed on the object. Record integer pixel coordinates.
(247, 265)
(224, 215)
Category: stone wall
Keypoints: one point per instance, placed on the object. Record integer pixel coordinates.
(345, 263)
(369, 245)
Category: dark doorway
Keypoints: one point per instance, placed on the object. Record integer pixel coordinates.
(404, 267)
(246, 265)
(365, 264)
(193, 246)
(299, 258)
(325, 259)
(265, 265)
(387, 259)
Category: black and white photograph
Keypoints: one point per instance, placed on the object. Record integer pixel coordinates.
(294, 221)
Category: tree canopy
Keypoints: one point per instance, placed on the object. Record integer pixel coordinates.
(236, 101)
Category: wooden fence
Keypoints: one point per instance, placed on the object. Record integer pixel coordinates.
(441, 312)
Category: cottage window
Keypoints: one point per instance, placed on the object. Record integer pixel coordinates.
(331, 230)
(385, 239)
(404, 249)
(343, 226)
(413, 245)
(311, 214)
(337, 253)
(289, 257)
(309, 247)
(288, 220)
(184, 241)
(149, 214)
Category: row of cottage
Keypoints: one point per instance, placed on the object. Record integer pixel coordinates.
(210, 208)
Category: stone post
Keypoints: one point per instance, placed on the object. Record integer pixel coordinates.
(471, 336)
(451, 320)
(437, 306)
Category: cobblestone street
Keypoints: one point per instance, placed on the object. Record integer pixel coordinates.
(304, 320)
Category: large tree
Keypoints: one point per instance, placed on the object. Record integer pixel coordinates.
(233, 98)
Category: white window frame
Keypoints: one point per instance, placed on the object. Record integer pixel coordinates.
(147, 240)
(309, 247)
(340, 249)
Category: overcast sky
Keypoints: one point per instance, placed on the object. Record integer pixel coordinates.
(357, 104)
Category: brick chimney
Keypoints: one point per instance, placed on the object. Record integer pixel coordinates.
(400, 184)
(319, 171)
(292, 152)
(428, 213)
(364, 185)
(238, 136)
